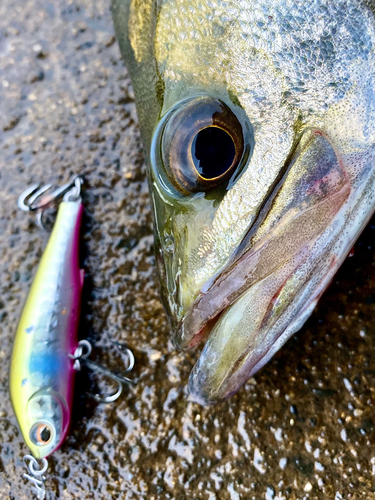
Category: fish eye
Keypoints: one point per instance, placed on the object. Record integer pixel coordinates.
(41, 433)
(202, 145)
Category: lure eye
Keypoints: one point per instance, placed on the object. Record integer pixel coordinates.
(41, 433)
(202, 145)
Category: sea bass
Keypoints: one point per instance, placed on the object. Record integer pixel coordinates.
(258, 123)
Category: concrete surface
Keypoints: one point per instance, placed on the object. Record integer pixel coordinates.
(302, 428)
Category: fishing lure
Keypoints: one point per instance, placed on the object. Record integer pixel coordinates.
(46, 350)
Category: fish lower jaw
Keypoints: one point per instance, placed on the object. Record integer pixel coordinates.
(200, 391)
(274, 329)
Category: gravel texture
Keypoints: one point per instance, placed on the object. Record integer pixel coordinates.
(302, 428)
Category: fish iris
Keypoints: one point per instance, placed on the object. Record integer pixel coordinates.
(201, 144)
(213, 152)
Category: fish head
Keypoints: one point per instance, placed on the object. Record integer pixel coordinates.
(258, 123)
(45, 422)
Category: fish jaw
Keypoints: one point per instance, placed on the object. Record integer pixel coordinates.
(270, 288)
(249, 331)
(301, 207)
(286, 259)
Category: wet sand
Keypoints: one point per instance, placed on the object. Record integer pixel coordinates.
(302, 428)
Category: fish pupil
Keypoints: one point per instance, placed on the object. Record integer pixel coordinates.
(45, 434)
(213, 152)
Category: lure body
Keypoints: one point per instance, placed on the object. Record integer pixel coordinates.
(42, 373)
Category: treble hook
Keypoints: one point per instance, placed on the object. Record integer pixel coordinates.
(35, 475)
(80, 357)
(34, 199)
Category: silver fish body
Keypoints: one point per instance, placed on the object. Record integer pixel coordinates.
(245, 254)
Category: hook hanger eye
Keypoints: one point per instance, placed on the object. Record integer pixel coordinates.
(35, 474)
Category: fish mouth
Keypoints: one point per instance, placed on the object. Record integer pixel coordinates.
(271, 284)
(255, 265)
